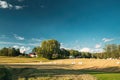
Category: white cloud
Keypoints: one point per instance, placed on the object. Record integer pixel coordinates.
(75, 45)
(16, 46)
(85, 49)
(3, 4)
(17, 43)
(35, 39)
(96, 50)
(10, 6)
(62, 45)
(3, 42)
(23, 49)
(33, 44)
(8, 43)
(18, 7)
(18, 37)
(97, 46)
(107, 39)
(6, 5)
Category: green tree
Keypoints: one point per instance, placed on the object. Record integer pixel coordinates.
(9, 52)
(35, 49)
(86, 55)
(64, 53)
(112, 51)
(50, 49)
(74, 53)
(119, 51)
(4, 51)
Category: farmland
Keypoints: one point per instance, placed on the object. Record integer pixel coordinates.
(63, 69)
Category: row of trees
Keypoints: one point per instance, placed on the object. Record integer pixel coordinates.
(9, 52)
(50, 49)
(110, 51)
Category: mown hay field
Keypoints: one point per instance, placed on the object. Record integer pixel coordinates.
(64, 69)
(4, 59)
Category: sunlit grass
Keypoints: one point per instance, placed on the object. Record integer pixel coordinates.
(90, 69)
(4, 59)
(108, 76)
(100, 75)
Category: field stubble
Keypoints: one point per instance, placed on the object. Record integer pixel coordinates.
(65, 69)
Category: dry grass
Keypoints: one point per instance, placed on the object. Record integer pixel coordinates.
(90, 63)
(56, 64)
(4, 59)
(64, 69)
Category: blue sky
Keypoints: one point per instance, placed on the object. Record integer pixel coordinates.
(84, 25)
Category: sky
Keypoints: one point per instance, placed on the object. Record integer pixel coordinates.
(84, 25)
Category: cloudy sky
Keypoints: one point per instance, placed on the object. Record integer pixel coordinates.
(84, 25)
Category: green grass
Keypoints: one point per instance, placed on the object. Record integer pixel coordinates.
(103, 75)
(108, 76)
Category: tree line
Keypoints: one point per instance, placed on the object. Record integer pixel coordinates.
(110, 51)
(50, 49)
(9, 52)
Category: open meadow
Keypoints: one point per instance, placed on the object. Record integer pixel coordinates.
(63, 69)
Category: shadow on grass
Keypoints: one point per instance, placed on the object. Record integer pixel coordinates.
(31, 71)
(115, 69)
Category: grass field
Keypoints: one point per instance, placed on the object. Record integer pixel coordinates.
(108, 76)
(4, 59)
(66, 69)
